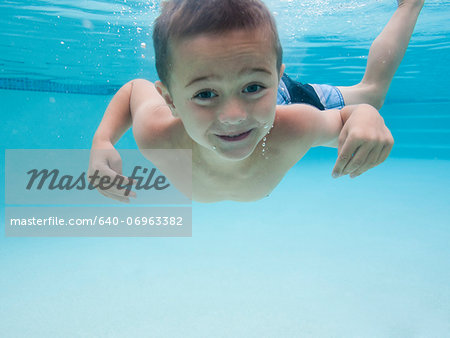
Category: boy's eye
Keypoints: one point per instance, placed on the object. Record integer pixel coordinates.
(253, 88)
(205, 95)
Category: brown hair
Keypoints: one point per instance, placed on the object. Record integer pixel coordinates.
(187, 18)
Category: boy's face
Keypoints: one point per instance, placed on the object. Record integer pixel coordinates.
(224, 88)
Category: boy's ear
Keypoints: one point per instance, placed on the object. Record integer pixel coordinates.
(164, 92)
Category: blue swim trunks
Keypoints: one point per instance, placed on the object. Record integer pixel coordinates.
(320, 96)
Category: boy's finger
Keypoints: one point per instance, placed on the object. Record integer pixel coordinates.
(368, 163)
(114, 190)
(115, 181)
(115, 164)
(119, 193)
(372, 159)
(105, 170)
(114, 197)
(113, 177)
(384, 154)
(358, 160)
(345, 155)
(342, 138)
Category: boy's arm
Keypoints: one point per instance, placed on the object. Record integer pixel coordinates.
(117, 118)
(118, 115)
(116, 121)
(385, 55)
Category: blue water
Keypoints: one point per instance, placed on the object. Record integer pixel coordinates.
(320, 257)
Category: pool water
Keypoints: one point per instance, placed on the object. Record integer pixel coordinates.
(368, 257)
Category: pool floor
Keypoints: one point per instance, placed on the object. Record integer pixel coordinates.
(368, 257)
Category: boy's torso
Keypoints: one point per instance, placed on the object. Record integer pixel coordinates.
(154, 127)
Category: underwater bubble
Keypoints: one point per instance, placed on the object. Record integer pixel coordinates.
(87, 24)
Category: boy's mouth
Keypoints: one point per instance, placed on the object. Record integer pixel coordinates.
(235, 136)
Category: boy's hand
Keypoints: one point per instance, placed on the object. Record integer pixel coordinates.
(105, 161)
(364, 142)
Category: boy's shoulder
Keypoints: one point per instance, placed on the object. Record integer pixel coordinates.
(153, 123)
(292, 134)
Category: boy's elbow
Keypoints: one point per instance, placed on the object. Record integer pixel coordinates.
(375, 96)
(377, 103)
(367, 93)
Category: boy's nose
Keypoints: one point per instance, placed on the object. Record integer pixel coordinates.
(233, 113)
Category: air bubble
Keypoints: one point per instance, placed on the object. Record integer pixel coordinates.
(87, 24)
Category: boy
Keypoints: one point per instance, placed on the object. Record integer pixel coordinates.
(221, 76)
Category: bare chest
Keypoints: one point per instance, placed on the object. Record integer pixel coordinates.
(251, 184)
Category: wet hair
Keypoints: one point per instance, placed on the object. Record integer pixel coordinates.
(180, 19)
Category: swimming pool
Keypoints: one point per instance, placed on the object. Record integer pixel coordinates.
(368, 257)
